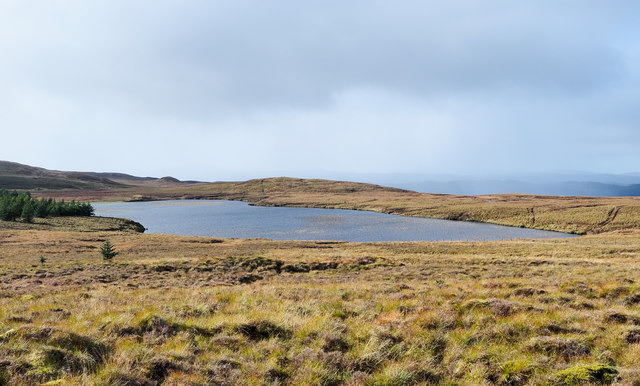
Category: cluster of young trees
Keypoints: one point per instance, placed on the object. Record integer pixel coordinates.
(14, 205)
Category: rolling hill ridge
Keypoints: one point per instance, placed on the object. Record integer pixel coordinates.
(18, 176)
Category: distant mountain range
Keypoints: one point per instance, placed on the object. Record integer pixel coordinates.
(18, 176)
(554, 184)
(569, 188)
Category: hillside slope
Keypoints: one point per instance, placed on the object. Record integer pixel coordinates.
(18, 176)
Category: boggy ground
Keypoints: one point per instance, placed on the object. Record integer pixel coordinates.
(197, 311)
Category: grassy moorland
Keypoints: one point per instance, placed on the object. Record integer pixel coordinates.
(581, 215)
(178, 310)
(198, 311)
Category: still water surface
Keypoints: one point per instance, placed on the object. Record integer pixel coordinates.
(216, 218)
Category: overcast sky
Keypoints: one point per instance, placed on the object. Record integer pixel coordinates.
(215, 90)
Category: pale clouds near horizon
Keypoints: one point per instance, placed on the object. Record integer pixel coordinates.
(212, 90)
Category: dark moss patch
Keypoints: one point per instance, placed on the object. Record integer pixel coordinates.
(246, 279)
(632, 299)
(164, 268)
(335, 341)
(262, 329)
(619, 317)
(296, 268)
(632, 337)
(276, 375)
(159, 368)
(437, 346)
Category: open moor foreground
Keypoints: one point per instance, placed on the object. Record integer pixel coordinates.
(190, 310)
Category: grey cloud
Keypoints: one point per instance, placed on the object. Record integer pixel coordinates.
(407, 86)
(252, 54)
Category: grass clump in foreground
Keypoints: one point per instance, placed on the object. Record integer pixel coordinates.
(195, 311)
(581, 374)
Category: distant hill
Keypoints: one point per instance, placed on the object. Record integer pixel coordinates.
(18, 176)
(568, 188)
(549, 184)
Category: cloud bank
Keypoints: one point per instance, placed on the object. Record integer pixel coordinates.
(217, 90)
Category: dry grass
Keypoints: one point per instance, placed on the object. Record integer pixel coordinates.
(196, 311)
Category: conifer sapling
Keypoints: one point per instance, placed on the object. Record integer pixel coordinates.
(107, 250)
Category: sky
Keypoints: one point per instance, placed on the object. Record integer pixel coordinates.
(219, 90)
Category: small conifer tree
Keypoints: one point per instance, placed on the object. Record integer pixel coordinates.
(28, 211)
(107, 250)
(4, 211)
